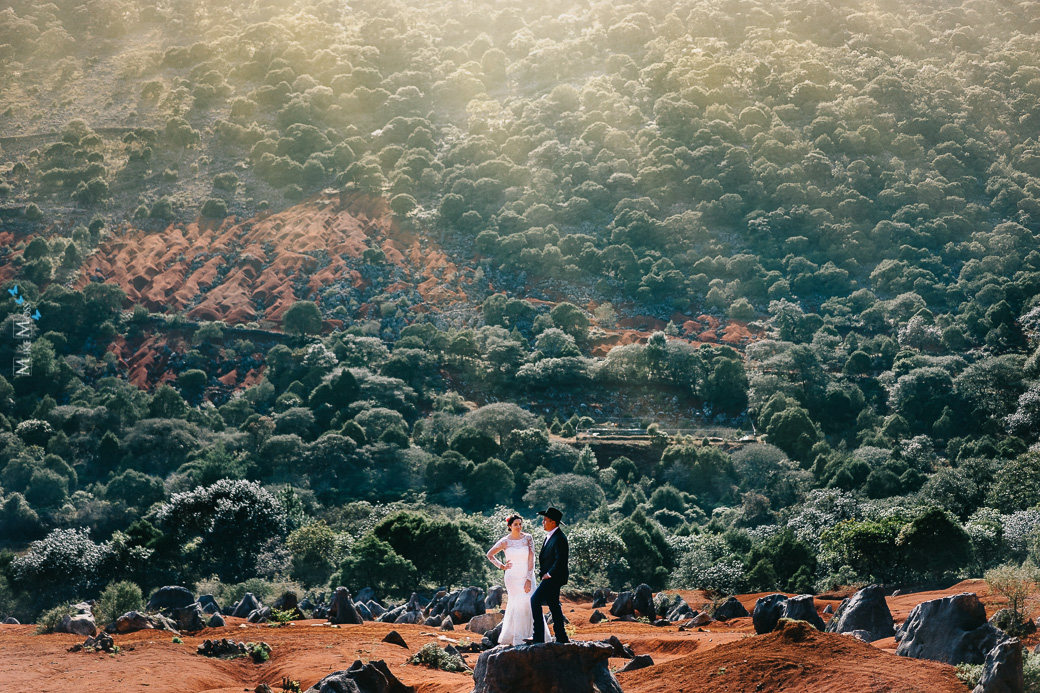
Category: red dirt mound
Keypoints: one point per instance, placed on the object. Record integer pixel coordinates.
(796, 657)
(256, 269)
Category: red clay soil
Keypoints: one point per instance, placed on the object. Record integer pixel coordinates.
(796, 657)
(722, 656)
(220, 271)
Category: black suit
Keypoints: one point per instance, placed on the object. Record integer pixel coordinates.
(552, 561)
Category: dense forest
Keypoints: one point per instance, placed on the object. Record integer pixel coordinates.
(858, 181)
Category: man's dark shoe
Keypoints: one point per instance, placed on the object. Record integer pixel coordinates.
(531, 641)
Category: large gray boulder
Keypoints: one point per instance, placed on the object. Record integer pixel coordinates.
(77, 624)
(365, 594)
(246, 606)
(170, 597)
(469, 604)
(803, 608)
(485, 622)
(623, 605)
(951, 630)
(575, 667)
(363, 611)
(209, 604)
(731, 608)
(374, 677)
(133, 621)
(1002, 672)
(493, 600)
(342, 609)
(189, 618)
(216, 621)
(866, 610)
(643, 602)
(769, 610)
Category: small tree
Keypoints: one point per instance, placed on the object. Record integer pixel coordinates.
(117, 599)
(1014, 583)
(303, 317)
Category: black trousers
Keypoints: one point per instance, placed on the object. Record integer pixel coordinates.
(548, 594)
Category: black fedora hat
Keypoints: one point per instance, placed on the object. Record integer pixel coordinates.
(553, 514)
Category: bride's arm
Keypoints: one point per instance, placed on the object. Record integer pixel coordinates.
(491, 554)
(530, 562)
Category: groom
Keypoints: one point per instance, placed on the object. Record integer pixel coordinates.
(552, 572)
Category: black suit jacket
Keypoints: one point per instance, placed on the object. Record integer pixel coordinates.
(553, 558)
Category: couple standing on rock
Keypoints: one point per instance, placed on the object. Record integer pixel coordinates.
(523, 621)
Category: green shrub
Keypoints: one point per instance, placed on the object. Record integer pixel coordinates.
(52, 618)
(117, 599)
(430, 655)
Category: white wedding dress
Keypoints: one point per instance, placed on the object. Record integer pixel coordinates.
(517, 624)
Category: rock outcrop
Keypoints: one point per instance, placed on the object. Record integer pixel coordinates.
(342, 609)
(866, 610)
(576, 667)
(1003, 670)
(769, 610)
(951, 630)
(731, 608)
(374, 677)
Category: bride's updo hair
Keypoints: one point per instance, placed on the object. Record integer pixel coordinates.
(511, 519)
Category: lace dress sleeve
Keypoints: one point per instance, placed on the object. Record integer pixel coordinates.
(530, 559)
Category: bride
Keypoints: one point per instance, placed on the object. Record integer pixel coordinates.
(518, 623)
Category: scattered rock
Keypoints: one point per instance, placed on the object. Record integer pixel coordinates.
(366, 594)
(731, 608)
(484, 622)
(79, 624)
(342, 609)
(866, 610)
(618, 648)
(1002, 672)
(600, 598)
(951, 630)
(597, 616)
(216, 621)
(209, 604)
(803, 608)
(769, 610)
(260, 615)
(263, 688)
(221, 648)
(432, 621)
(374, 677)
(623, 605)
(490, 638)
(133, 621)
(375, 607)
(409, 617)
(1012, 623)
(11, 621)
(469, 604)
(447, 624)
(170, 597)
(248, 605)
(643, 602)
(829, 609)
(662, 622)
(391, 615)
(394, 638)
(639, 662)
(493, 600)
(863, 635)
(363, 611)
(576, 667)
(188, 618)
(701, 619)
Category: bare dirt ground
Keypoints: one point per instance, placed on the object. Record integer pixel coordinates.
(718, 657)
